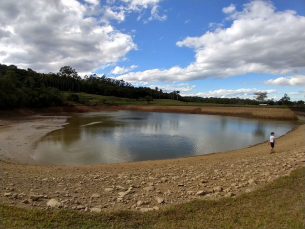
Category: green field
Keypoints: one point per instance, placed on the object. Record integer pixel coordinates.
(93, 100)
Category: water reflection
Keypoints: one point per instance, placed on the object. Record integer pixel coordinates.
(109, 137)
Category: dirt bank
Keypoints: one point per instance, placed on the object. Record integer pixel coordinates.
(148, 185)
(249, 112)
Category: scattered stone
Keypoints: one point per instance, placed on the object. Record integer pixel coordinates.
(217, 189)
(122, 194)
(35, 197)
(163, 180)
(140, 203)
(7, 194)
(160, 200)
(200, 193)
(251, 181)
(80, 207)
(155, 208)
(108, 189)
(120, 187)
(95, 195)
(53, 203)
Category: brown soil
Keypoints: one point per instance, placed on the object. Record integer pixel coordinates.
(139, 185)
(250, 112)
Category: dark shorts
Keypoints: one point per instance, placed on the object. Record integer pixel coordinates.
(272, 144)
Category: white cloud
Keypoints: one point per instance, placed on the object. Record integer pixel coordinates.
(184, 88)
(155, 14)
(229, 9)
(46, 35)
(298, 80)
(141, 5)
(225, 93)
(259, 40)
(121, 70)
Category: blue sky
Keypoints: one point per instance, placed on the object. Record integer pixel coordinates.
(207, 48)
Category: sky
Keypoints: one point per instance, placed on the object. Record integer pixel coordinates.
(206, 48)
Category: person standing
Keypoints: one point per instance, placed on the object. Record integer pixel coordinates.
(272, 142)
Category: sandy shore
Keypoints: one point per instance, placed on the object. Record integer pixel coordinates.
(19, 136)
(148, 185)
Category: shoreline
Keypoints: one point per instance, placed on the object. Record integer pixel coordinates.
(141, 185)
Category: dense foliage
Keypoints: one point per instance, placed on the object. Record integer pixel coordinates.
(27, 88)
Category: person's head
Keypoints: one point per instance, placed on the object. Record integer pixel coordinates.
(272, 133)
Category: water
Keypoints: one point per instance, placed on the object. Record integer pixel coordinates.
(124, 136)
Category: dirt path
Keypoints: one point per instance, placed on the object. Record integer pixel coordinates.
(148, 185)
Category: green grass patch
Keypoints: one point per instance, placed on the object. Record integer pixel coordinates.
(280, 204)
(93, 100)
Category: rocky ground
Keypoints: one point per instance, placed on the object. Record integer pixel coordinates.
(141, 186)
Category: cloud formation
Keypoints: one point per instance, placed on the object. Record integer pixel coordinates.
(121, 70)
(298, 80)
(259, 40)
(46, 35)
(238, 93)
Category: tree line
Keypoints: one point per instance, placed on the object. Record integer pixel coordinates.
(28, 88)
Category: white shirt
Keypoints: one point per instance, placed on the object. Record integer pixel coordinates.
(271, 138)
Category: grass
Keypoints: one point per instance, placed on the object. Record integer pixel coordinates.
(92, 99)
(280, 204)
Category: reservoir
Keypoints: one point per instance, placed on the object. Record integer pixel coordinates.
(127, 136)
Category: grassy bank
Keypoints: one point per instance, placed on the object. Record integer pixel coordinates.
(92, 99)
(278, 205)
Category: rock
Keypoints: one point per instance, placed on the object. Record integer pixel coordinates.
(122, 194)
(80, 207)
(25, 201)
(53, 203)
(96, 210)
(108, 189)
(7, 194)
(95, 195)
(120, 187)
(160, 200)
(200, 193)
(163, 180)
(140, 203)
(217, 189)
(35, 197)
(251, 181)
(155, 208)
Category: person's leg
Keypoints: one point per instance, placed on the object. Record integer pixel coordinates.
(272, 146)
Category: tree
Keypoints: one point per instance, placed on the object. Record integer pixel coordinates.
(68, 72)
(285, 99)
(148, 98)
(260, 96)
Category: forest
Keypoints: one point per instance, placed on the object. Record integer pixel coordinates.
(27, 88)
